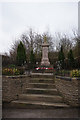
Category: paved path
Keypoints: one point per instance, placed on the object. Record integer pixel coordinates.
(40, 113)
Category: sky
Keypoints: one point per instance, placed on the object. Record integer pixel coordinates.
(17, 17)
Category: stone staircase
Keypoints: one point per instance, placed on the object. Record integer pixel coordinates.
(40, 93)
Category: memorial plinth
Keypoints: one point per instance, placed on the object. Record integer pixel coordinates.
(45, 59)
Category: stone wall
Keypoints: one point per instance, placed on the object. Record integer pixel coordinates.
(69, 89)
(13, 86)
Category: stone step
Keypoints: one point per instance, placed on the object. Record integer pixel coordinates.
(41, 98)
(41, 91)
(42, 75)
(41, 80)
(36, 104)
(41, 85)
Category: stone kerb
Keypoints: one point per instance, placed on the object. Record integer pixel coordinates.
(69, 89)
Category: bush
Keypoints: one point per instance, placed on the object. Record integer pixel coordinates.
(71, 59)
(63, 73)
(21, 70)
(61, 57)
(10, 71)
(75, 73)
(11, 66)
(21, 54)
(32, 60)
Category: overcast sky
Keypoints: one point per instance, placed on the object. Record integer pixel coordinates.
(18, 17)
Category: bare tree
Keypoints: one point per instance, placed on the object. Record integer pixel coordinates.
(13, 51)
(77, 44)
(32, 41)
(66, 42)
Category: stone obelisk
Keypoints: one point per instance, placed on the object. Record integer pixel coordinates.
(45, 59)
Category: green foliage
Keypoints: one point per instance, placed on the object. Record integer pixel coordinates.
(61, 57)
(22, 70)
(32, 59)
(71, 58)
(68, 73)
(21, 54)
(10, 71)
(13, 71)
(63, 73)
(11, 66)
(75, 73)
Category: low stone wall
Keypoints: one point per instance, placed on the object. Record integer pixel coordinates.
(12, 86)
(69, 89)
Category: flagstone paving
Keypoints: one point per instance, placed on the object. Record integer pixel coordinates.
(40, 113)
